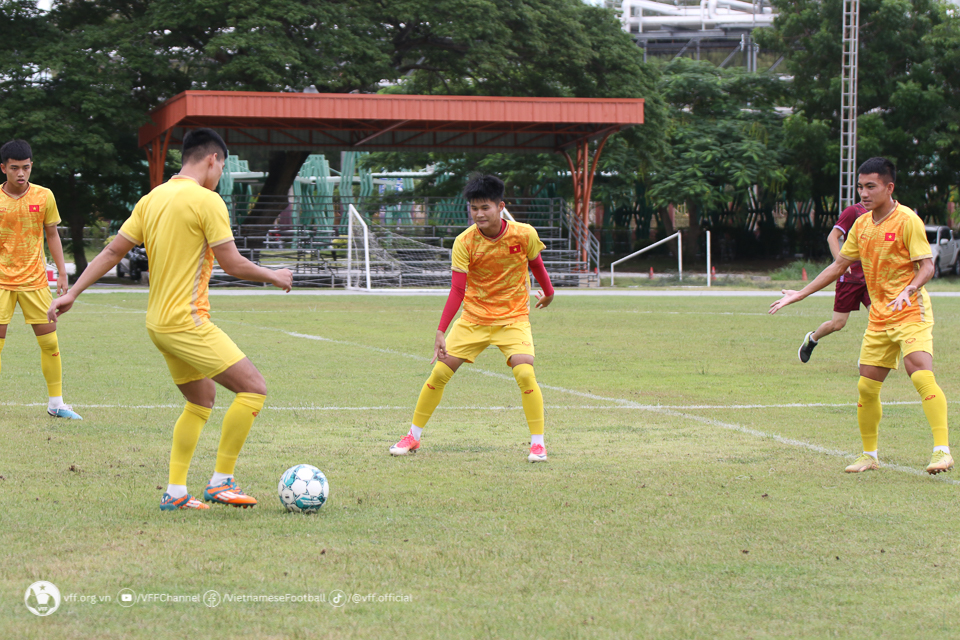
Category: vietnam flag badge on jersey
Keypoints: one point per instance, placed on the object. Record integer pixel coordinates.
(889, 237)
(516, 249)
(34, 208)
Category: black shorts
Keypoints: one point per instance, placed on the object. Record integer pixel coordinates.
(849, 297)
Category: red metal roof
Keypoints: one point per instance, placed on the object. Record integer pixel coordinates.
(375, 122)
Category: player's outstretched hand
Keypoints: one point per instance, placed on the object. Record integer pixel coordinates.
(901, 300)
(60, 306)
(283, 279)
(543, 301)
(789, 297)
(439, 347)
(62, 284)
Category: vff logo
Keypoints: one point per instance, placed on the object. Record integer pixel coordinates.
(42, 598)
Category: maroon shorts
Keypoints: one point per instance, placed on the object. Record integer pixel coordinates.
(849, 296)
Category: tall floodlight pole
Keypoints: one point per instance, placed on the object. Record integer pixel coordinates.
(848, 107)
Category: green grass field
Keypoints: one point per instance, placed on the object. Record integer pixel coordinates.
(682, 499)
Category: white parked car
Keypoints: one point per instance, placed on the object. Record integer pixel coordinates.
(945, 245)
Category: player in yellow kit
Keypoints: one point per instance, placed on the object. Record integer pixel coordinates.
(28, 214)
(491, 260)
(184, 225)
(891, 244)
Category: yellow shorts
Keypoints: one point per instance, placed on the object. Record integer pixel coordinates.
(466, 340)
(884, 348)
(34, 305)
(194, 354)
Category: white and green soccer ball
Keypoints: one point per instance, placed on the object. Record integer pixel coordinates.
(303, 489)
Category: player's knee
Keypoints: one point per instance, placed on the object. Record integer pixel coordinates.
(525, 376)
(868, 388)
(257, 384)
(839, 324)
(440, 375)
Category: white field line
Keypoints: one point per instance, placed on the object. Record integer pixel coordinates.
(603, 292)
(621, 403)
(630, 404)
(556, 407)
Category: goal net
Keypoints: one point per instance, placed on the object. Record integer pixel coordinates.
(378, 258)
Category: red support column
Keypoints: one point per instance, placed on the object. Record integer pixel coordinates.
(583, 172)
(157, 157)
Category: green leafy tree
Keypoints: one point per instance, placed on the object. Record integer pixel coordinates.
(905, 81)
(725, 142)
(62, 92)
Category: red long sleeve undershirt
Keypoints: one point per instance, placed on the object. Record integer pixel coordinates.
(458, 289)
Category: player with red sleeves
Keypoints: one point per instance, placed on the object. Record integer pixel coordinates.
(851, 289)
(491, 260)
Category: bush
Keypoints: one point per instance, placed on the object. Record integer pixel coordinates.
(794, 270)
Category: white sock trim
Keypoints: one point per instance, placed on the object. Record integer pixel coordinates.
(219, 478)
(177, 490)
(536, 439)
(944, 449)
(55, 402)
(416, 432)
(872, 453)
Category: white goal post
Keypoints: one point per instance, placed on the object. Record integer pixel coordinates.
(354, 217)
(679, 256)
(382, 257)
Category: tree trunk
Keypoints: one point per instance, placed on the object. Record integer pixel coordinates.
(283, 170)
(76, 220)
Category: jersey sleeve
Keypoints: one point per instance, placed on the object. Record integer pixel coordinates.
(851, 249)
(460, 259)
(132, 229)
(216, 222)
(846, 220)
(915, 237)
(534, 244)
(51, 216)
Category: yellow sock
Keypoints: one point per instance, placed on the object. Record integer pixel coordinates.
(50, 363)
(934, 405)
(186, 433)
(869, 412)
(431, 393)
(2, 341)
(236, 426)
(531, 397)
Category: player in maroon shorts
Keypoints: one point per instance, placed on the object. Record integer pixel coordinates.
(851, 288)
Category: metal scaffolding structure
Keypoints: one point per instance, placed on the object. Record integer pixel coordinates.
(677, 28)
(848, 104)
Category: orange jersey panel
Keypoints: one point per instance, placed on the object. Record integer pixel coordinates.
(498, 273)
(22, 263)
(889, 252)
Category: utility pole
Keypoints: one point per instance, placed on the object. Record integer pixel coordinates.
(848, 104)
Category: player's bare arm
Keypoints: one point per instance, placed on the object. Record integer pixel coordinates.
(828, 275)
(922, 277)
(834, 241)
(237, 266)
(56, 252)
(106, 260)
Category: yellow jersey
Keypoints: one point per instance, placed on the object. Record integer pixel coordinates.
(889, 252)
(498, 273)
(22, 263)
(179, 223)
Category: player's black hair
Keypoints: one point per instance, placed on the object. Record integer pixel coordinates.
(484, 187)
(880, 166)
(15, 150)
(199, 143)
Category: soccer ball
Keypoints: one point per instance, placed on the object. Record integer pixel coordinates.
(303, 488)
